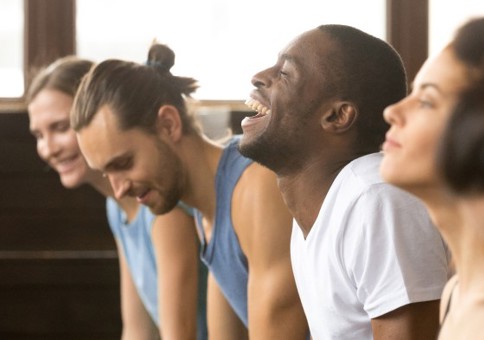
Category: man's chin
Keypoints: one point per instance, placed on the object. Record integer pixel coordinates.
(161, 209)
(252, 149)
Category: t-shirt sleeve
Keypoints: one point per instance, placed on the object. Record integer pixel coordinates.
(393, 253)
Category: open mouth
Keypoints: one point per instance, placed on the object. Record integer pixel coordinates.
(257, 106)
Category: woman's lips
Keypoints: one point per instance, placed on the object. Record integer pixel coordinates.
(390, 144)
(66, 164)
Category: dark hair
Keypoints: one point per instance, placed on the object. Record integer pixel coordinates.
(64, 74)
(368, 72)
(134, 92)
(461, 153)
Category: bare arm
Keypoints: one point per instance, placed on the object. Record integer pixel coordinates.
(223, 323)
(137, 323)
(176, 247)
(416, 321)
(264, 226)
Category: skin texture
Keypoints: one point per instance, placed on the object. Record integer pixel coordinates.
(311, 134)
(417, 123)
(57, 146)
(153, 166)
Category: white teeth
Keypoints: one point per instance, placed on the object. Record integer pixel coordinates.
(257, 106)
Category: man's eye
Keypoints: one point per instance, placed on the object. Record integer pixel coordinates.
(123, 164)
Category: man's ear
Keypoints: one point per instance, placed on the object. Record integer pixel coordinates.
(168, 122)
(340, 117)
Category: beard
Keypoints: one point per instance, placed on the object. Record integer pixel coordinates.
(279, 153)
(282, 146)
(171, 195)
(170, 201)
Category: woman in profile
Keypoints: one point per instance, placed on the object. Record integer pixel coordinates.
(462, 163)
(163, 283)
(410, 162)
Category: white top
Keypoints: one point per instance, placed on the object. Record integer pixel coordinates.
(371, 250)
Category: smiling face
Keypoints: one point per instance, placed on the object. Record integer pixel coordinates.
(417, 123)
(137, 164)
(56, 141)
(287, 97)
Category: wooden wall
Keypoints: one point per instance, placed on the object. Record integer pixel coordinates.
(58, 265)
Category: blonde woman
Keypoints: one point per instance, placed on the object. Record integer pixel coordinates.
(157, 255)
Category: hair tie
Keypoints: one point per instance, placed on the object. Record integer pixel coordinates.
(158, 65)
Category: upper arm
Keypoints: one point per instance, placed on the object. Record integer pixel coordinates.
(176, 248)
(263, 225)
(411, 322)
(223, 323)
(137, 323)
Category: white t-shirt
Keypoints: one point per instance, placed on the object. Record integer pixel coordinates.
(371, 250)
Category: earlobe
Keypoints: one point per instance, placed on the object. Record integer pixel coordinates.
(340, 118)
(168, 122)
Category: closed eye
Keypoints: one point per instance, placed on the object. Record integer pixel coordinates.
(120, 164)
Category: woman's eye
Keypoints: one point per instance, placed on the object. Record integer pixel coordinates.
(425, 103)
(63, 127)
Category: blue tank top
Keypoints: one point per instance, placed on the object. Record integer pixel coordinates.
(135, 238)
(223, 255)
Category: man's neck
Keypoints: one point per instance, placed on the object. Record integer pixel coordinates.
(201, 158)
(304, 192)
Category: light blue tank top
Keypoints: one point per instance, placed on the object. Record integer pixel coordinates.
(223, 254)
(135, 238)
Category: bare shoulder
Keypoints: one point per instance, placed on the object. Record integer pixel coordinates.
(447, 292)
(467, 323)
(258, 174)
(258, 210)
(257, 191)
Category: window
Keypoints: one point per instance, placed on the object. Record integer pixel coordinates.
(220, 43)
(446, 16)
(11, 40)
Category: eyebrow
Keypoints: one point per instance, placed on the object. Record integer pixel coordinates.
(290, 58)
(424, 86)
